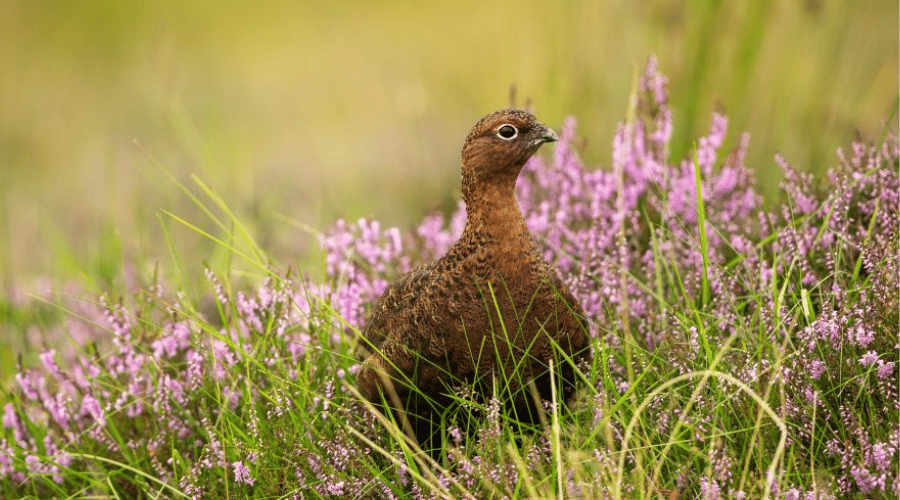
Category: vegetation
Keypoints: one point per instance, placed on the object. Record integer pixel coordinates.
(755, 357)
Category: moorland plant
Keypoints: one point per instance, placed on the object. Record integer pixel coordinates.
(739, 351)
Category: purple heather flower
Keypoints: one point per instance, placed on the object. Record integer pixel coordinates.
(193, 374)
(248, 310)
(816, 369)
(221, 296)
(58, 408)
(177, 337)
(795, 184)
(335, 488)
(231, 396)
(455, 434)
(865, 480)
(864, 336)
(793, 494)
(435, 240)
(6, 464)
(84, 372)
(34, 464)
(215, 456)
(165, 346)
(297, 345)
(59, 457)
(710, 489)
(225, 358)
(242, 474)
(91, 407)
(48, 359)
(868, 358)
(654, 82)
(31, 383)
(707, 146)
(882, 456)
(12, 421)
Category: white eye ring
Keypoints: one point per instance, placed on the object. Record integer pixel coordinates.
(507, 132)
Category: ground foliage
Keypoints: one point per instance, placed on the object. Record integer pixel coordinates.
(755, 357)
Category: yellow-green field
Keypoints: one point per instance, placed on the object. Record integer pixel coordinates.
(306, 111)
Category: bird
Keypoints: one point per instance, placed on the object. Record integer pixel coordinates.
(492, 309)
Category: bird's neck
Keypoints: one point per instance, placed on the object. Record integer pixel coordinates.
(493, 217)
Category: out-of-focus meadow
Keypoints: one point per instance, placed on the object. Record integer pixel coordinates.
(299, 112)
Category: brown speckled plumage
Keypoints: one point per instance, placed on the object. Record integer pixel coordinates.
(492, 307)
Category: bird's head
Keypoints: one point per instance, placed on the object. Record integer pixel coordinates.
(499, 145)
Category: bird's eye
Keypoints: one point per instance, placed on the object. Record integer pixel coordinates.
(507, 132)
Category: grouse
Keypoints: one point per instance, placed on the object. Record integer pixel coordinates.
(491, 310)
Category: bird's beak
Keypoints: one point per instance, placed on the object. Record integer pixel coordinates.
(548, 135)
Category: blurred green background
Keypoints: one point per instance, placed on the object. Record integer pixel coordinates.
(306, 111)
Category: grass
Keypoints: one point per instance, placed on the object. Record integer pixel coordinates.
(277, 413)
(753, 359)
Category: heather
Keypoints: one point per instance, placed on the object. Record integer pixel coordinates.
(740, 350)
